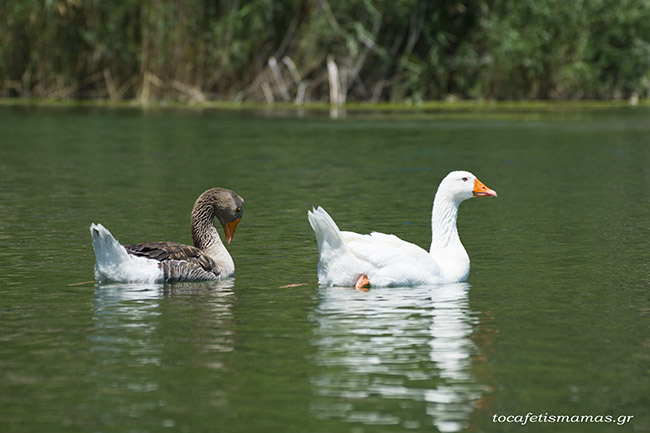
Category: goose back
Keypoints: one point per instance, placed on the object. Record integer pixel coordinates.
(178, 262)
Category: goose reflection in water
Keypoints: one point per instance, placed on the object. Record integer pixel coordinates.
(132, 313)
(134, 326)
(398, 356)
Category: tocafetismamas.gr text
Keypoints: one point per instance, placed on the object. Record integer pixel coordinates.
(546, 418)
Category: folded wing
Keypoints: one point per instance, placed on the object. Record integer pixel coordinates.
(177, 261)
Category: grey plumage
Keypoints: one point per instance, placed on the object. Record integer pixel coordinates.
(177, 261)
(203, 261)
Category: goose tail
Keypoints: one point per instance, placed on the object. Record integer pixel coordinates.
(110, 255)
(326, 230)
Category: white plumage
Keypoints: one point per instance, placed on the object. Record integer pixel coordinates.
(386, 260)
(113, 263)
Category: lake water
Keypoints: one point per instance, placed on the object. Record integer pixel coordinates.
(554, 319)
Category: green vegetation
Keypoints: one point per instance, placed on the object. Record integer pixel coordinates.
(325, 50)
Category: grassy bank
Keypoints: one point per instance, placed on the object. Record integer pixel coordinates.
(360, 107)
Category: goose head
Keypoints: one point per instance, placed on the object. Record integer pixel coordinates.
(222, 204)
(462, 185)
(229, 210)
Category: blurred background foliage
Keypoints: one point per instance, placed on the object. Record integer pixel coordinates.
(303, 50)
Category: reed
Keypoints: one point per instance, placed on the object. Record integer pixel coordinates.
(325, 50)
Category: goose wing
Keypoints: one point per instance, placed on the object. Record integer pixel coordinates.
(381, 249)
(178, 262)
(395, 260)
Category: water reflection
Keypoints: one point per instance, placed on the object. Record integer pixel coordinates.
(137, 331)
(126, 315)
(452, 349)
(125, 318)
(400, 356)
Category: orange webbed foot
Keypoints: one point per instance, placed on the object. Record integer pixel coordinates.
(362, 283)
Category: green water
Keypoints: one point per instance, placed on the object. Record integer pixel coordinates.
(554, 318)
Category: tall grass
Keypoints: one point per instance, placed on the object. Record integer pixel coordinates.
(325, 50)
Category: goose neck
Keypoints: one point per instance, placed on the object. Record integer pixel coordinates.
(443, 222)
(204, 233)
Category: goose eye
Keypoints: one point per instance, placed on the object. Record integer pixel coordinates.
(238, 209)
(464, 179)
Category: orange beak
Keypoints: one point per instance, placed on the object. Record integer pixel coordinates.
(229, 228)
(481, 190)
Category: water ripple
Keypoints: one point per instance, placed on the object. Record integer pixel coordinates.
(407, 345)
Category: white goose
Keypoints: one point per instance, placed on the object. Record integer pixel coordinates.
(153, 262)
(350, 259)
